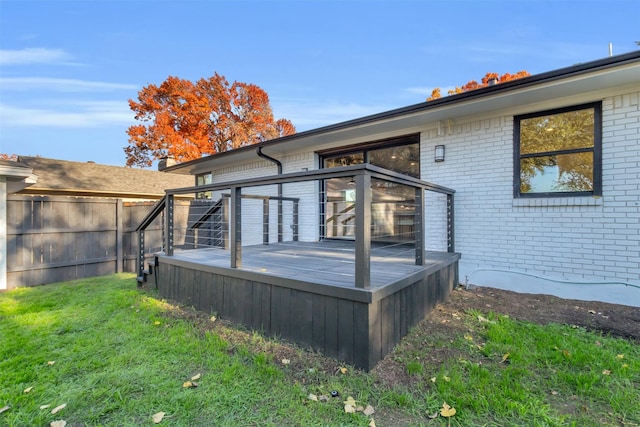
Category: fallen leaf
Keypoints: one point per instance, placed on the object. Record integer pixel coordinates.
(5, 408)
(625, 366)
(606, 372)
(369, 410)
(592, 312)
(157, 418)
(359, 408)
(505, 358)
(196, 377)
(44, 407)
(468, 337)
(313, 397)
(156, 323)
(372, 423)
(51, 362)
(349, 409)
(447, 411)
(566, 353)
(554, 393)
(343, 370)
(28, 389)
(620, 356)
(433, 416)
(286, 361)
(323, 398)
(446, 378)
(59, 423)
(432, 379)
(213, 318)
(350, 401)
(482, 319)
(58, 408)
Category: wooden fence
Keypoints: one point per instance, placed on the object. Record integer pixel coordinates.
(53, 239)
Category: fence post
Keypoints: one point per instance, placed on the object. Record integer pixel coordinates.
(363, 230)
(119, 234)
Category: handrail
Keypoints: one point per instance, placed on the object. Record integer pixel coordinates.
(146, 221)
(153, 214)
(362, 176)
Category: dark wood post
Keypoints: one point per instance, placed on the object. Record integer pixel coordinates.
(236, 226)
(168, 233)
(265, 221)
(450, 224)
(363, 230)
(418, 225)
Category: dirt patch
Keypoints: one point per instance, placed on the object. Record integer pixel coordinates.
(443, 324)
(446, 322)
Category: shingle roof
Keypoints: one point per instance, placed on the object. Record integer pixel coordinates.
(79, 178)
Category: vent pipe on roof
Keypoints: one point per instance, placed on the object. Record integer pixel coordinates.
(610, 50)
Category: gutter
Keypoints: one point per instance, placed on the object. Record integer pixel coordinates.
(278, 163)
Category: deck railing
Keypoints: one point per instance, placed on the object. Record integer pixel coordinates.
(368, 194)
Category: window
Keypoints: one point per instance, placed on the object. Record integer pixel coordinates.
(204, 179)
(393, 209)
(558, 152)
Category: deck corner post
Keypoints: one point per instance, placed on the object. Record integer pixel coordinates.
(450, 224)
(419, 226)
(363, 230)
(235, 222)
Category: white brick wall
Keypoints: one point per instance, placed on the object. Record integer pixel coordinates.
(581, 239)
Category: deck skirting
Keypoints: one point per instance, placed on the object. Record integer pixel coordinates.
(356, 326)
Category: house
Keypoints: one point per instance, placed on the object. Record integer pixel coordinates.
(562, 218)
(89, 179)
(63, 220)
(546, 176)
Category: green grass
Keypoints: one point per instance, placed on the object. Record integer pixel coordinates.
(120, 357)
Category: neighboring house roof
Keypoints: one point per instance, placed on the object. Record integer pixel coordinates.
(592, 77)
(63, 177)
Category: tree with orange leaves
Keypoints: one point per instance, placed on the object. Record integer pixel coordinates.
(488, 79)
(186, 120)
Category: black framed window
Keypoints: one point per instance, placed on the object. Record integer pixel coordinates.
(393, 210)
(558, 152)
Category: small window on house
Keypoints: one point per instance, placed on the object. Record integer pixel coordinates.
(204, 179)
(557, 152)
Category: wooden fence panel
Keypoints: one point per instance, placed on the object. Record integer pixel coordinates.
(53, 239)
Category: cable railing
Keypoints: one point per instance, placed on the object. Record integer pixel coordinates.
(372, 208)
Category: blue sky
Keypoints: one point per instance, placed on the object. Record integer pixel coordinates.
(67, 68)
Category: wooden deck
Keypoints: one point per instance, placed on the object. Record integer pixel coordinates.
(305, 292)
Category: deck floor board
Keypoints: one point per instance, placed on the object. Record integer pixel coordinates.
(327, 262)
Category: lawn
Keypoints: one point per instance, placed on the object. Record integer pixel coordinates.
(117, 356)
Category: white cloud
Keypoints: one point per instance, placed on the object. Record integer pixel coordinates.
(60, 85)
(35, 55)
(81, 114)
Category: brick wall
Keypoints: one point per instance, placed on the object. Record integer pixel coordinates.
(584, 238)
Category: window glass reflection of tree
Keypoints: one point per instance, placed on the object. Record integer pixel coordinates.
(403, 159)
(557, 152)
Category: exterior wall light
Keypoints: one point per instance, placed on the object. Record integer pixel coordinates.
(439, 155)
